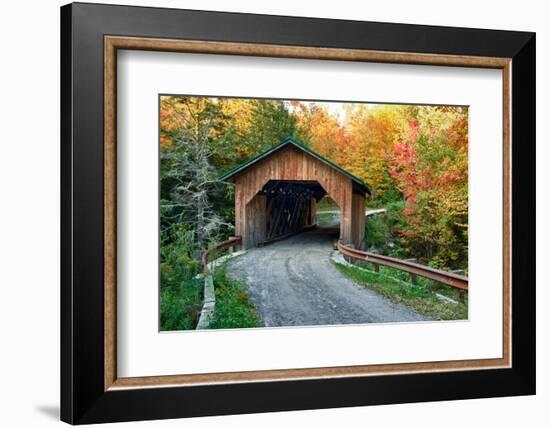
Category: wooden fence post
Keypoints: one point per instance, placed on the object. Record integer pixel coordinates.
(414, 278)
(231, 248)
(349, 259)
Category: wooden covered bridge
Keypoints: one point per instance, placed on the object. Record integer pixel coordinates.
(276, 194)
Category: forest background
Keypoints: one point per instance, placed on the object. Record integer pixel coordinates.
(413, 157)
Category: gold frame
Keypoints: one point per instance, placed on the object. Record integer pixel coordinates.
(112, 43)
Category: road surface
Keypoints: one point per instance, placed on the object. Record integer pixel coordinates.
(293, 282)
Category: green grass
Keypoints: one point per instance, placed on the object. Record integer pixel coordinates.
(324, 218)
(233, 308)
(426, 283)
(392, 284)
(180, 305)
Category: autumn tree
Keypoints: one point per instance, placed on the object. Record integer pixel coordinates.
(320, 130)
(430, 166)
(372, 133)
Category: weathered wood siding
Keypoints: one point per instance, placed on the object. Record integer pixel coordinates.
(290, 163)
(255, 216)
(358, 220)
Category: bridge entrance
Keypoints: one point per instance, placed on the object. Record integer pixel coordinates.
(290, 206)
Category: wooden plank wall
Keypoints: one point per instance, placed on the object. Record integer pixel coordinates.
(291, 163)
(256, 215)
(358, 220)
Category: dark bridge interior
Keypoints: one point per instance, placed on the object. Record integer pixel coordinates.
(290, 206)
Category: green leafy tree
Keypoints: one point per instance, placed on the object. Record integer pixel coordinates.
(188, 180)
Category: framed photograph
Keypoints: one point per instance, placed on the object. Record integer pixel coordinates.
(266, 213)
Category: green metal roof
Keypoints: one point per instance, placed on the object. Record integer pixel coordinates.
(295, 143)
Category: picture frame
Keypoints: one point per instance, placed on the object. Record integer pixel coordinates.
(91, 391)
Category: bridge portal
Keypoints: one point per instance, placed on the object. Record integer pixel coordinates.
(276, 194)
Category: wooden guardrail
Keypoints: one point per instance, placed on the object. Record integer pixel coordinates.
(452, 279)
(209, 300)
(231, 242)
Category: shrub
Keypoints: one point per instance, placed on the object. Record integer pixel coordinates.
(376, 232)
(180, 292)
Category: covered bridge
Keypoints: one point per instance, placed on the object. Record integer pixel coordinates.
(276, 193)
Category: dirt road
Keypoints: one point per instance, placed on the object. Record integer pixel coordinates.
(293, 282)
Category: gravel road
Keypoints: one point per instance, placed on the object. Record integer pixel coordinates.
(293, 282)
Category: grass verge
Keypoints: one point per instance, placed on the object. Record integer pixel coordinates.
(233, 307)
(418, 297)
